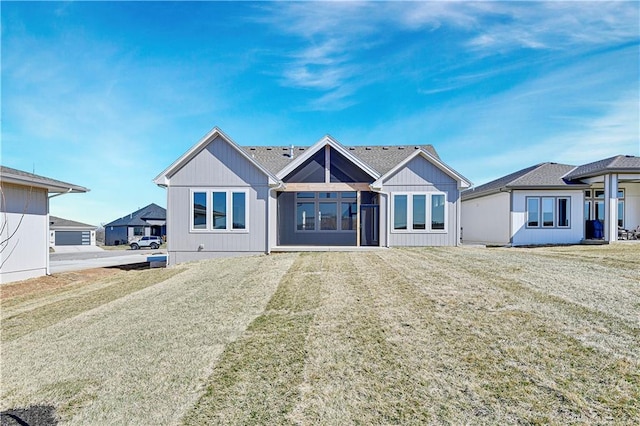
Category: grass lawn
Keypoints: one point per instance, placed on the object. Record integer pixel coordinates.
(402, 336)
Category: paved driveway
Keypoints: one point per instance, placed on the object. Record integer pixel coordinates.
(87, 259)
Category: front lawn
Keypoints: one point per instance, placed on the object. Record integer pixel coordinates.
(401, 336)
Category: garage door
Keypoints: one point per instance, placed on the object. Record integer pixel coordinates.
(73, 238)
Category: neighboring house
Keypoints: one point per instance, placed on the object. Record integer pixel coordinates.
(149, 220)
(24, 222)
(65, 232)
(553, 203)
(224, 199)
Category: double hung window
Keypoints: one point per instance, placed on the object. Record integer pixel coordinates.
(219, 210)
(419, 212)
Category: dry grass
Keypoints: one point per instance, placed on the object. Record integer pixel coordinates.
(439, 336)
(411, 336)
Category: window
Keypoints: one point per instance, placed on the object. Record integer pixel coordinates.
(349, 215)
(199, 208)
(305, 216)
(549, 212)
(138, 230)
(437, 211)
(563, 213)
(621, 208)
(533, 212)
(318, 211)
(328, 216)
(419, 212)
(219, 210)
(400, 212)
(238, 203)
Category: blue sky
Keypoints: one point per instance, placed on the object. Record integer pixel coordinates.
(106, 95)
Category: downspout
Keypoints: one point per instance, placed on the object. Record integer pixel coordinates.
(270, 215)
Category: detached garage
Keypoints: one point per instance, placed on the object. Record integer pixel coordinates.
(65, 232)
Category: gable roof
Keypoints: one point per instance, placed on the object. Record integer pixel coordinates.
(140, 217)
(326, 140)
(540, 176)
(19, 177)
(380, 158)
(58, 222)
(617, 164)
(462, 181)
(163, 178)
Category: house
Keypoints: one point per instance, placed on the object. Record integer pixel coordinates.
(65, 232)
(24, 222)
(149, 220)
(552, 203)
(224, 199)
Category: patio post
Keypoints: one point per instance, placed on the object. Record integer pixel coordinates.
(611, 207)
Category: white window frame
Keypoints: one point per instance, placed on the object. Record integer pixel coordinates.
(428, 213)
(229, 204)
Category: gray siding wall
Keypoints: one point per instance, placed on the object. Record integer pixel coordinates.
(420, 175)
(26, 254)
(217, 166)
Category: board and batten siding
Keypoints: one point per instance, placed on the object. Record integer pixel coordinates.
(217, 166)
(521, 235)
(420, 175)
(25, 212)
(485, 220)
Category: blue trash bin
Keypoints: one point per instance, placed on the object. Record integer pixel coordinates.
(597, 230)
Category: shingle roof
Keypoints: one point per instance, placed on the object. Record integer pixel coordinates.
(139, 217)
(10, 175)
(617, 164)
(543, 175)
(380, 158)
(56, 222)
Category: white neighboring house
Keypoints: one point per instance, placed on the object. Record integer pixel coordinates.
(552, 203)
(65, 232)
(24, 222)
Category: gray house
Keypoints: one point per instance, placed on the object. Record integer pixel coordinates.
(24, 222)
(552, 203)
(224, 199)
(149, 220)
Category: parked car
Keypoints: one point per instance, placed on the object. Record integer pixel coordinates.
(149, 241)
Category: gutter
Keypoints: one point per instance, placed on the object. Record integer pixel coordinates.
(60, 193)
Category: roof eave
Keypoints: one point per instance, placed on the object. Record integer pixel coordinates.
(164, 178)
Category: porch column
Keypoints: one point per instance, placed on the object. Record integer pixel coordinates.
(611, 207)
(358, 218)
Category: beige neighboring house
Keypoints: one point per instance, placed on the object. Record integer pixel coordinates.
(65, 232)
(24, 222)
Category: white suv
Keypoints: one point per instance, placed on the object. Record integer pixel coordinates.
(152, 242)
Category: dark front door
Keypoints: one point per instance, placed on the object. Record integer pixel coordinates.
(369, 225)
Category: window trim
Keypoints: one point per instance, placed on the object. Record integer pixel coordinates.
(556, 201)
(209, 229)
(428, 213)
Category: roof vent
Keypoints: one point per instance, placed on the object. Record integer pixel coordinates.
(268, 148)
(401, 147)
(368, 148)
(291, 148)
(385, 148)
(252, 148)
(416, 147)
(351, 148)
